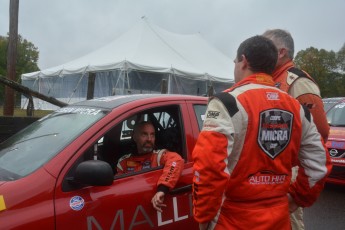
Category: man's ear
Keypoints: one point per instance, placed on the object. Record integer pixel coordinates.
(282, 52)
(244, 62)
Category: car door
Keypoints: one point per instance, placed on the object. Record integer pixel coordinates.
(126, 204)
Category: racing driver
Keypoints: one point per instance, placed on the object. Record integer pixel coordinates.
(253, 134)
(146, 157)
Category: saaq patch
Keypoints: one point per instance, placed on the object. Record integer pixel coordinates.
(274, 131)
(76, 203)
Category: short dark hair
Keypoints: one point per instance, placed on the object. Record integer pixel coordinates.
(140, 124)
(260, 52)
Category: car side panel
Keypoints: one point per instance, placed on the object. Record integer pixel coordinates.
(126, 203)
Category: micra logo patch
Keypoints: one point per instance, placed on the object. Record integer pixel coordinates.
(213, 114)
(274, 131)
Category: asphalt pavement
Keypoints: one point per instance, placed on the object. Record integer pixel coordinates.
(328, 213)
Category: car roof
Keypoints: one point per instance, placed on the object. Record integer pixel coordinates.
(111, 102)
(333, 99)
(330, 102)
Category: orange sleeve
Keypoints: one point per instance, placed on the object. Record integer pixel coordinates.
(315, 105)
(173, 166)
(210, 178)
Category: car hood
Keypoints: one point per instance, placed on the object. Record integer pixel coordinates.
(337, 133)
(2, 182)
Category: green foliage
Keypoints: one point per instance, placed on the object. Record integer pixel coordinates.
(326, 67)
(341, 58)
(27, 58)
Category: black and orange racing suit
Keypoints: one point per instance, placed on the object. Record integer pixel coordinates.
(172, 162)
(252, 136)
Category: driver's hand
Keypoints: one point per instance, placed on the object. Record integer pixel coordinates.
(157, 201)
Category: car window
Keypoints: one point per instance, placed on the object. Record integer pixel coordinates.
(118, 140)
(328, 103)
(200, 111)
(336, 115)
(167, 123)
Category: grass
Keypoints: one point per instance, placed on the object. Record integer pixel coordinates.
(18, 112)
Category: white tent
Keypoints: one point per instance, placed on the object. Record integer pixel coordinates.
(136, 62)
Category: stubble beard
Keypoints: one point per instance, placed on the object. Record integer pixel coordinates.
(147, 148)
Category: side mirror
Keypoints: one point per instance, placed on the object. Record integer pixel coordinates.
(94, 172)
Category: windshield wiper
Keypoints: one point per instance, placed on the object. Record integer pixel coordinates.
(6, 175)
(45, 135)
(337, 125)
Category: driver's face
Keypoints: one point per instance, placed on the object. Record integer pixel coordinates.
(144, 137)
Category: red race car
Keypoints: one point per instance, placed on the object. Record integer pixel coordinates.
(336, 142)
(60, 172)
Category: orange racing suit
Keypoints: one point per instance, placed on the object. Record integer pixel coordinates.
(301, 86)
(252, 136)
(172, 162)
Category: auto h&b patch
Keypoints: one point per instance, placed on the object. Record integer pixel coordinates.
(274, 131)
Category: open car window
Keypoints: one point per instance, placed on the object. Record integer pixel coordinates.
(336, 115)
(167, 122)
(118, 142)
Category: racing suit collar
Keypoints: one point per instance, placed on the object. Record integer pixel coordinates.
(258, 78)
(278, 72)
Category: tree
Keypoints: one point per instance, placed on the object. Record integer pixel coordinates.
(341, 58)
(324, 67)
(27, 58)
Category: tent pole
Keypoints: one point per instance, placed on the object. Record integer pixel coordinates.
(91, 86)
(164, 86)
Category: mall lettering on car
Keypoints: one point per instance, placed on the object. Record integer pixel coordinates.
(118, 221)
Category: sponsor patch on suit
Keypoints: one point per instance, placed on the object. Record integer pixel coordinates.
(274, 131)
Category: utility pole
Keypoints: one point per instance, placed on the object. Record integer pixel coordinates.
(11, 57)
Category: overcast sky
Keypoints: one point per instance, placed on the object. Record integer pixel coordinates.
(67, 29)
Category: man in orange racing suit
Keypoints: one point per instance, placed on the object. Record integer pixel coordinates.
(146, 157)
(301, 86)
(253, 134)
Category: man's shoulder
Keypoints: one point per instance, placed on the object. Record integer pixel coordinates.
(294, 74)
(160, 151)
(165, 153)
(300, 83)
(125, 157)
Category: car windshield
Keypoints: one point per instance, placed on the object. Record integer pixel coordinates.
(330, 102)
(35, 145)
(336, 115)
